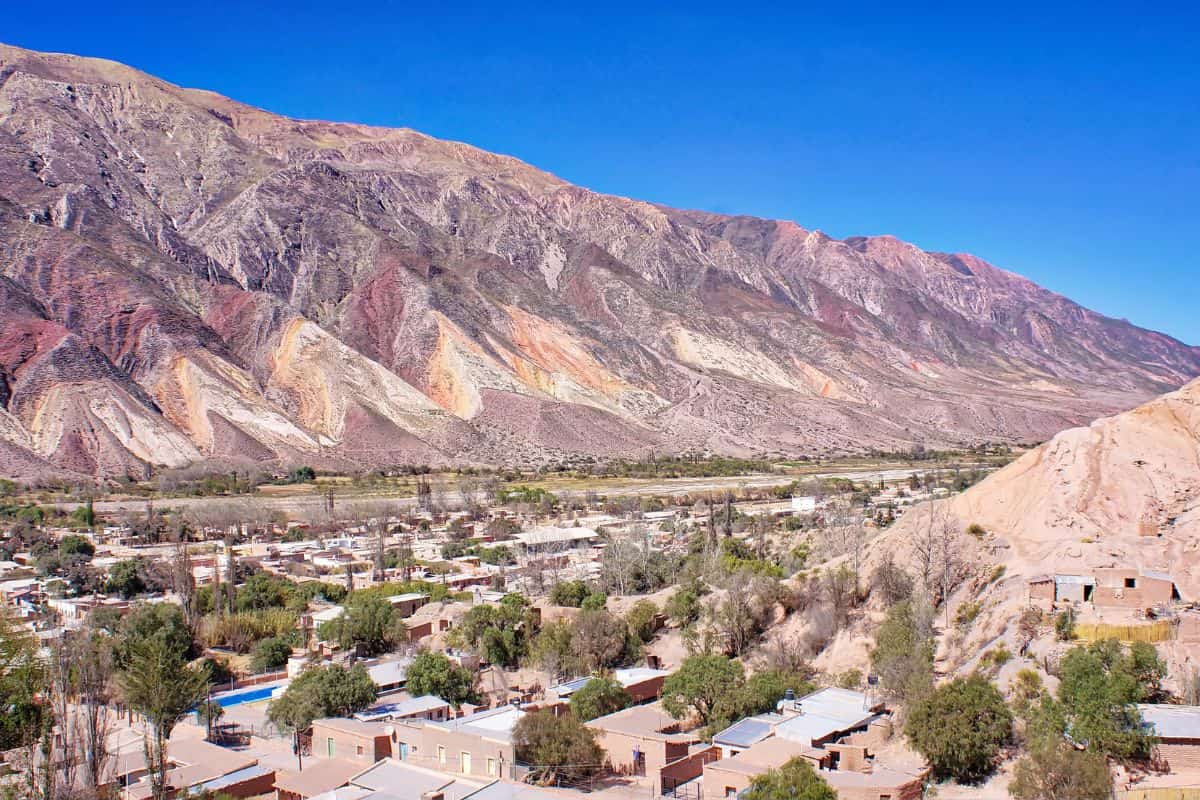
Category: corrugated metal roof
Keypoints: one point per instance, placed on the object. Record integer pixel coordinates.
(1172, 722)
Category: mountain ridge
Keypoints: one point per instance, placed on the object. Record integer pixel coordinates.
(285, 290)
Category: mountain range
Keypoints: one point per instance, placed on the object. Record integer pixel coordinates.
(186, 279)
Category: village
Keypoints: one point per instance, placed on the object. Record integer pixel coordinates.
(518, 606)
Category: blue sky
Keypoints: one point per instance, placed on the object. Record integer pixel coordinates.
(1058, 144)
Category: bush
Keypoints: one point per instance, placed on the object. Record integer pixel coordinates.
(1055, 769)
(1064, 626)
(967, 613)
(795, 780)
(240, 632)
(960, 727)
(683, 607)
(599, 697)
(641, 620)
(271, 654)
(850, 679)
(903, 654)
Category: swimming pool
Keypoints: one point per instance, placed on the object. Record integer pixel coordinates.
(245, 696)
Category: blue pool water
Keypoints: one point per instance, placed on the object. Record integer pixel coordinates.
(246, 696)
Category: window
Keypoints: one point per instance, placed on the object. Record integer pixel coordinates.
(491, 764)
(730, 791)
(329, 746)
(1131, 583)
(441, 754)
(464, 762)
(358, 751)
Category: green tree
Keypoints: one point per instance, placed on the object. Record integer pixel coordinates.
(162, 687)
(1099, 687)
(599, 696)
(683, 607)
(22, 681)
(162, 621)
(642, 620)
(369, 621)
(73, 544)
(500, 633)
(125, 579)
(1054, 770)
(330, 691)
(795, 780)
(557, 748)
(569, 593)
(260, 591)
(764, 690)
(699, 686)
(551, 649)
(903, 653)
(270, 654)
(435, 674)
(960, 727)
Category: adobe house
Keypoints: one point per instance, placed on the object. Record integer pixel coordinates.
(478, 744)
(645, 740)
(835, 730)
(407, 604)
(1109, 588)
(317, 777)
(1130, 588)
(350, 739)
(643, 684)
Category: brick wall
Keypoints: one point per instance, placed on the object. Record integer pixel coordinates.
(1179, 755)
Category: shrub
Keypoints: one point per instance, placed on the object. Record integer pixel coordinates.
(1064, 626)
(641, 620)
(850, 679)
(1055, 769)
(795, 780)
(598, 697)
(967, 613)
(271, 654)
(960, 727)
(903, 654)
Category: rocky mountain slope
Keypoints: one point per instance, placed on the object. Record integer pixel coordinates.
(1123, 492)
(186, 278)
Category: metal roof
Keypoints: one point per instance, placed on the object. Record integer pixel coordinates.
(495, 723)
(402, 708)
(232, 778)
(743, 734)
(1172, 722)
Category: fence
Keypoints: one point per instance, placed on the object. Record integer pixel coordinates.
(1161, 631)
(1164, 793)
